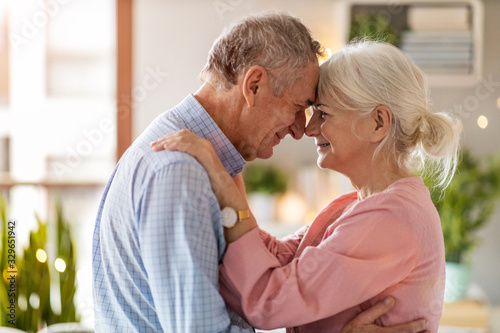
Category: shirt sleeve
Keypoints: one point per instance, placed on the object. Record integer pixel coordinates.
(369, 251)
(181, 243)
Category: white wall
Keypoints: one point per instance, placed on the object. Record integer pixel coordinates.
(174, 37)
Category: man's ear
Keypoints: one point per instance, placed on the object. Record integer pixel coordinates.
(382, 115)
(252, 83)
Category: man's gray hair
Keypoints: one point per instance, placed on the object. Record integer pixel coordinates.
(280, 43)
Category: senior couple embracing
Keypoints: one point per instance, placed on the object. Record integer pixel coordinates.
(176, 248)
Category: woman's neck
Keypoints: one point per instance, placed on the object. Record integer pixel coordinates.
(376, 177)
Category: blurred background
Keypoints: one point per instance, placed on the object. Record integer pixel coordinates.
(80, 79)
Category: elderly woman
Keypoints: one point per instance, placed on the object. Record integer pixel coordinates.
(371, 122)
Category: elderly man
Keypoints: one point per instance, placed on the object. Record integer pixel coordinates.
(158, 237)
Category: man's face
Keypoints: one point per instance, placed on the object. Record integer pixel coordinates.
(275, 117)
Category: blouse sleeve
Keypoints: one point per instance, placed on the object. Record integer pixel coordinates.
(368, 251)
(284, 250)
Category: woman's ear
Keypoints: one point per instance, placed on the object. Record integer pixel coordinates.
(253, 80)
(382, 115)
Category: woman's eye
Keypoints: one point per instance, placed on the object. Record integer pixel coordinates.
(323, 114)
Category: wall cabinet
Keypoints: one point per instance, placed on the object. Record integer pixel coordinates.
(444, 37)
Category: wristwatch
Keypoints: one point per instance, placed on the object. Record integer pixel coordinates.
(230, 216)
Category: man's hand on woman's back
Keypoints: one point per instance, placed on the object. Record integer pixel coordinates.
(365, 321)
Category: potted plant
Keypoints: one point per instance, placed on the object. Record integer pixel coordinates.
(263, 184)
(32, 280)
(374, 26)
(465, 206)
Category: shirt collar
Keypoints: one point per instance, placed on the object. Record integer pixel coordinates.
(199, 122)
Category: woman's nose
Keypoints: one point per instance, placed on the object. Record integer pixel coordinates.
(312, 128)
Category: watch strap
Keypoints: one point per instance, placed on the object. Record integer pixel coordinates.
(243, 214)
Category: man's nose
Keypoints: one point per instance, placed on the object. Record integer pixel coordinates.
(297, 128)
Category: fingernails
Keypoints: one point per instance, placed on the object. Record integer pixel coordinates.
(388, 301)
(426, 324)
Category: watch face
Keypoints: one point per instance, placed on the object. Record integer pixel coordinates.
(229, 217)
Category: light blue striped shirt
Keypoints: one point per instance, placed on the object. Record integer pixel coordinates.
(158, 236)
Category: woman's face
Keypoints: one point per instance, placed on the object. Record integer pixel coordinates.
(341, 137)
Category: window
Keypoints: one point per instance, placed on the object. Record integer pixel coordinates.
(58, 116)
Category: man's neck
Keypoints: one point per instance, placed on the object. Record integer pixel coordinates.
(223, 106)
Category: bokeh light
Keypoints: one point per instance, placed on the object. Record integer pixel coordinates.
(482, 122)
(41, 255)
(34, 300)
(60, 265)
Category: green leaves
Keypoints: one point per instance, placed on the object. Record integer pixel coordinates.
(34, 278)
(33, 283)
(265, 179)
(467, 204)
(67, 279)
(374, 26)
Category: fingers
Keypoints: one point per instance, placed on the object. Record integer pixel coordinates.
(381, 308)
(160, 144)
(373, 313)
(173, 140)
(188, 142)
(413, 327)
(163, 143)
(364, 322)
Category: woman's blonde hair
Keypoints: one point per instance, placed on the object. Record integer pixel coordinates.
(366, 74)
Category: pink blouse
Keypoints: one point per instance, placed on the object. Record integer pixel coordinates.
(354, 254)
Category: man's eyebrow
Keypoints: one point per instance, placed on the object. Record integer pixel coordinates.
(309, 102)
